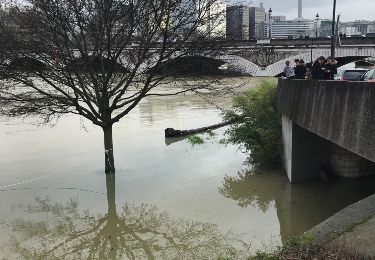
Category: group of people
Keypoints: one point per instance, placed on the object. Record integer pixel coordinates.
(322, 68)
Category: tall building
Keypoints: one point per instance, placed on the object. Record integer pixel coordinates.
(257, 18)
(237, 25)
(210, 15)
(216, 19)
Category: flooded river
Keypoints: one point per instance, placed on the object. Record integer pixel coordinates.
(168, 200)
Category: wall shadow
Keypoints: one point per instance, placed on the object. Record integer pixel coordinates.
(299, 206)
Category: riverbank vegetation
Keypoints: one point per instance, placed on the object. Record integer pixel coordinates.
(304, 248)
(257, 126)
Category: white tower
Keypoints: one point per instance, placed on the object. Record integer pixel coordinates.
(299, 9)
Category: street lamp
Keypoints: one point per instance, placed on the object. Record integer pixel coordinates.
(316, 25)
(333, 40)
(316, 36)
(269, 23)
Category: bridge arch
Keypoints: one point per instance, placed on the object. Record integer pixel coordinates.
(27, 64)
(197, 64)
(94, 63)
(240, 65)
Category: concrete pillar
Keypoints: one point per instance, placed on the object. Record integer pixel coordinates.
(349, 165)
(304, 153)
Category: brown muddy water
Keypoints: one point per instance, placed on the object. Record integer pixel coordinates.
(170, 199)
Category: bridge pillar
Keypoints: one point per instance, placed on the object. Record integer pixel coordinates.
(303, 152)
(350, 165)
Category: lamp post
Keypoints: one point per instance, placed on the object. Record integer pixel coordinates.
(316, 36)
(333, 41)
(269, 23)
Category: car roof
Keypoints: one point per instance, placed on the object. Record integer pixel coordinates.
(355, 69)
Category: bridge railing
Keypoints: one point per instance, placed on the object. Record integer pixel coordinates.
(302, 42)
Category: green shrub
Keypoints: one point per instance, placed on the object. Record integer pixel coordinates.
(258, 128)
(195, 140)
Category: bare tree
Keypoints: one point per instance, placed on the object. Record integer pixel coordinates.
(96, 58)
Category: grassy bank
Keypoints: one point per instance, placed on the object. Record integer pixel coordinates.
(304, 248)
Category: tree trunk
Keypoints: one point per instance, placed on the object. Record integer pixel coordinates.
(111, 194)
(108, 148)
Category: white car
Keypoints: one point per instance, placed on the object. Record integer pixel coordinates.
(369, 76)
(353, 74)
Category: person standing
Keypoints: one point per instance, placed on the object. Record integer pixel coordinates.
(330, 69)
(288, 70)
(318, 69)
(300, 70)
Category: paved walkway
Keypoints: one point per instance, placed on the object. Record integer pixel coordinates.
(352, 228)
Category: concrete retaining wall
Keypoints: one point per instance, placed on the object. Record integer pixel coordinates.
(338, 111)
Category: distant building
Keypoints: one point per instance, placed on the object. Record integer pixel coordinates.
(237, 22)
(357, 27)
(292, 28)
(211, 15)
(257, 19)
(278, 18)
(325, 27)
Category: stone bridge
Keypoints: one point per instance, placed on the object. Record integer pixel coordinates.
(329, 124)
(269, 62)
(268, 59)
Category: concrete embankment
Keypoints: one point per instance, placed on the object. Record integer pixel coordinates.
(352, 228)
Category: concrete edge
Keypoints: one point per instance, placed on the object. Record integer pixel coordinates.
(343, 220)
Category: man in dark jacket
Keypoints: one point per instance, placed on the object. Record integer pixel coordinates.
(300, 70)
(318, 69)
(330, 69)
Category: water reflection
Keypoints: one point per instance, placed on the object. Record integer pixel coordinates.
(172, 140)
(137, 232)
(299, 206)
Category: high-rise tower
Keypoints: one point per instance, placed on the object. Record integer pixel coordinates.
(299, 9)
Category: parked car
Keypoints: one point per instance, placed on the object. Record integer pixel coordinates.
(369, 76)
(350, 74)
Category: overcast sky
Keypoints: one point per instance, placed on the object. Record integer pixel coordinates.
(350, 9)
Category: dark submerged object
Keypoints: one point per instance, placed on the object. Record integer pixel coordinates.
(325, 174)
(171, 132)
